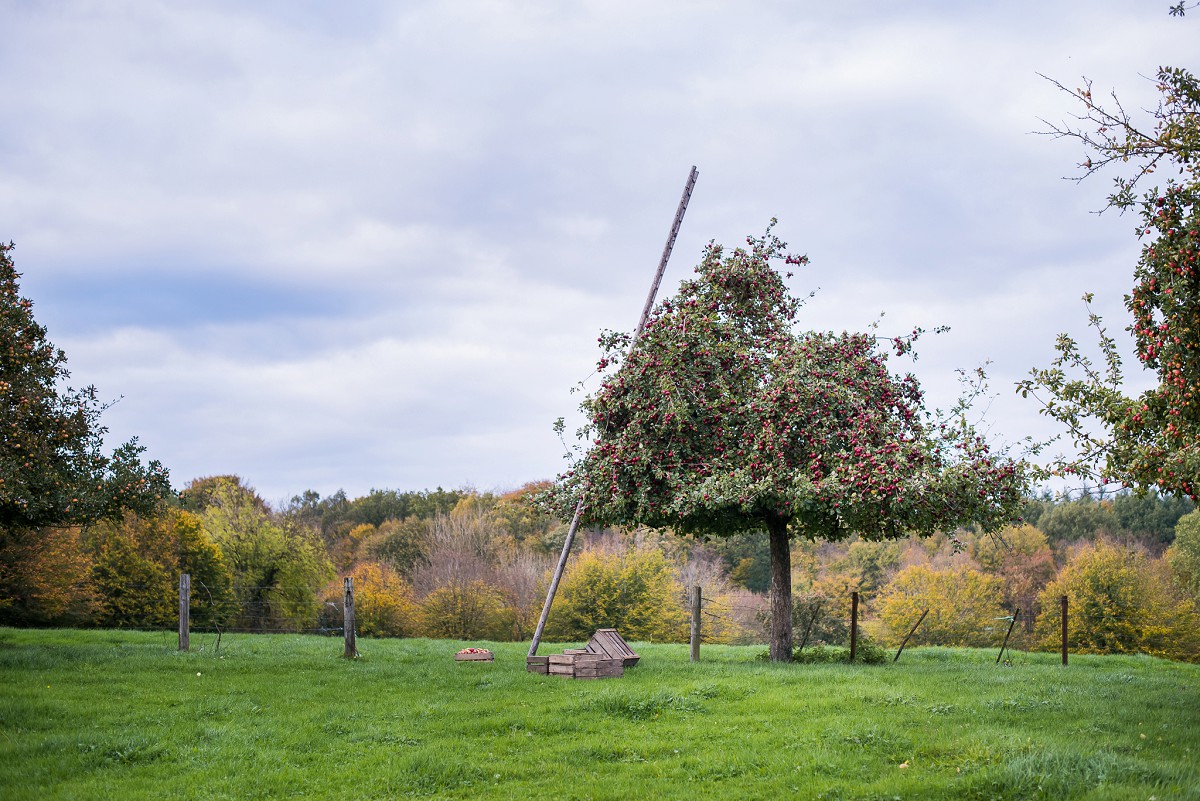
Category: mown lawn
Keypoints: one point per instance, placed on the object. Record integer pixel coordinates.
(122, 715)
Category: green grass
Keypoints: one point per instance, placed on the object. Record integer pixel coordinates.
(122, 715)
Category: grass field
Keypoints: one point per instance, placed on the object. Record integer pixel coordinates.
(122, 715)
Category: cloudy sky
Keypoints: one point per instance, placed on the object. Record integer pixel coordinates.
(356, 245)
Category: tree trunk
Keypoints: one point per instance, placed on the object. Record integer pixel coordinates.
(781, 590)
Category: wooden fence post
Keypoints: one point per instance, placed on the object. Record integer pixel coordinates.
(696, 623)
(1064, 630)
(348, 619)
(853, 624)
(185, 609)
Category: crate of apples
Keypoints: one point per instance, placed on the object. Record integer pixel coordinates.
(474, 655)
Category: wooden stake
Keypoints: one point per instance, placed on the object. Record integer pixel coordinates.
(666, 254)
(662, 266)
(185, 611)
(1064, 630)
(1003, 645)
(696, 623)
(911, 633)
(853, 624)
(348, 619)
(812, 618)
(558, 571)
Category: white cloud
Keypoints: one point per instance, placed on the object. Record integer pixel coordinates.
(389, 235)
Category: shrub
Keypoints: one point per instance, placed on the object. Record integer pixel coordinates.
(138, 561)
(1119, 601)
(866, 652)
(634, 591)
(1184, 554)
(1021, 556)
(472, 610)
(383, 601)
(962, 604)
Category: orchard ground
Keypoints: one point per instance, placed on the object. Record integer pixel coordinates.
(120, 714)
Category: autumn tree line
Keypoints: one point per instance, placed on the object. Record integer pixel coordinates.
(727, 445)
(468, 565)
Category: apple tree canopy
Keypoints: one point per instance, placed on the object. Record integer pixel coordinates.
(724, 417)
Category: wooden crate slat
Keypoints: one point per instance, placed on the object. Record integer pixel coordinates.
(599, 674)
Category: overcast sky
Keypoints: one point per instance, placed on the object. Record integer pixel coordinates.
(356, 245)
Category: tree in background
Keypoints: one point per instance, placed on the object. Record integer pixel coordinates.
(730, 612)
(1079, 519)
(344, 552)
(631, 589)
(724, 420)
(466, 610)
(46, 579)
(1151, 518)
(1152, 440)
(383, 601)
(963, 606)
(520, 515)
(54, 472)
(1119, 601)
(1184, 554)
(137, 563)
(1147, 518)
(867, 564)
(1021, 556)
(401, 544)
(277, 569)
(748, 558)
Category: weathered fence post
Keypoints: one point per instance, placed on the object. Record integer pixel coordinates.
(185, 609)
(853, 624)
(348, 619)
(1064, 629)
(696, 623)
(900, 650)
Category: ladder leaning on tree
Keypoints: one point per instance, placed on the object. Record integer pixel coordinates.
(662, 267)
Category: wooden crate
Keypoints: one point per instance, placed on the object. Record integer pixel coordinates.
(474, 657)
(609, 643)
(584, 666)
(606, 656)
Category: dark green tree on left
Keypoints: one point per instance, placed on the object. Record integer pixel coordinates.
(54, 470)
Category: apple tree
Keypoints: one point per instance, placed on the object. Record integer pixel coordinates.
(54, 470)
(724, 418)
(1150, 440)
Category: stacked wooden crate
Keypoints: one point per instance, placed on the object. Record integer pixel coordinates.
(580, 664)
(606, 656)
